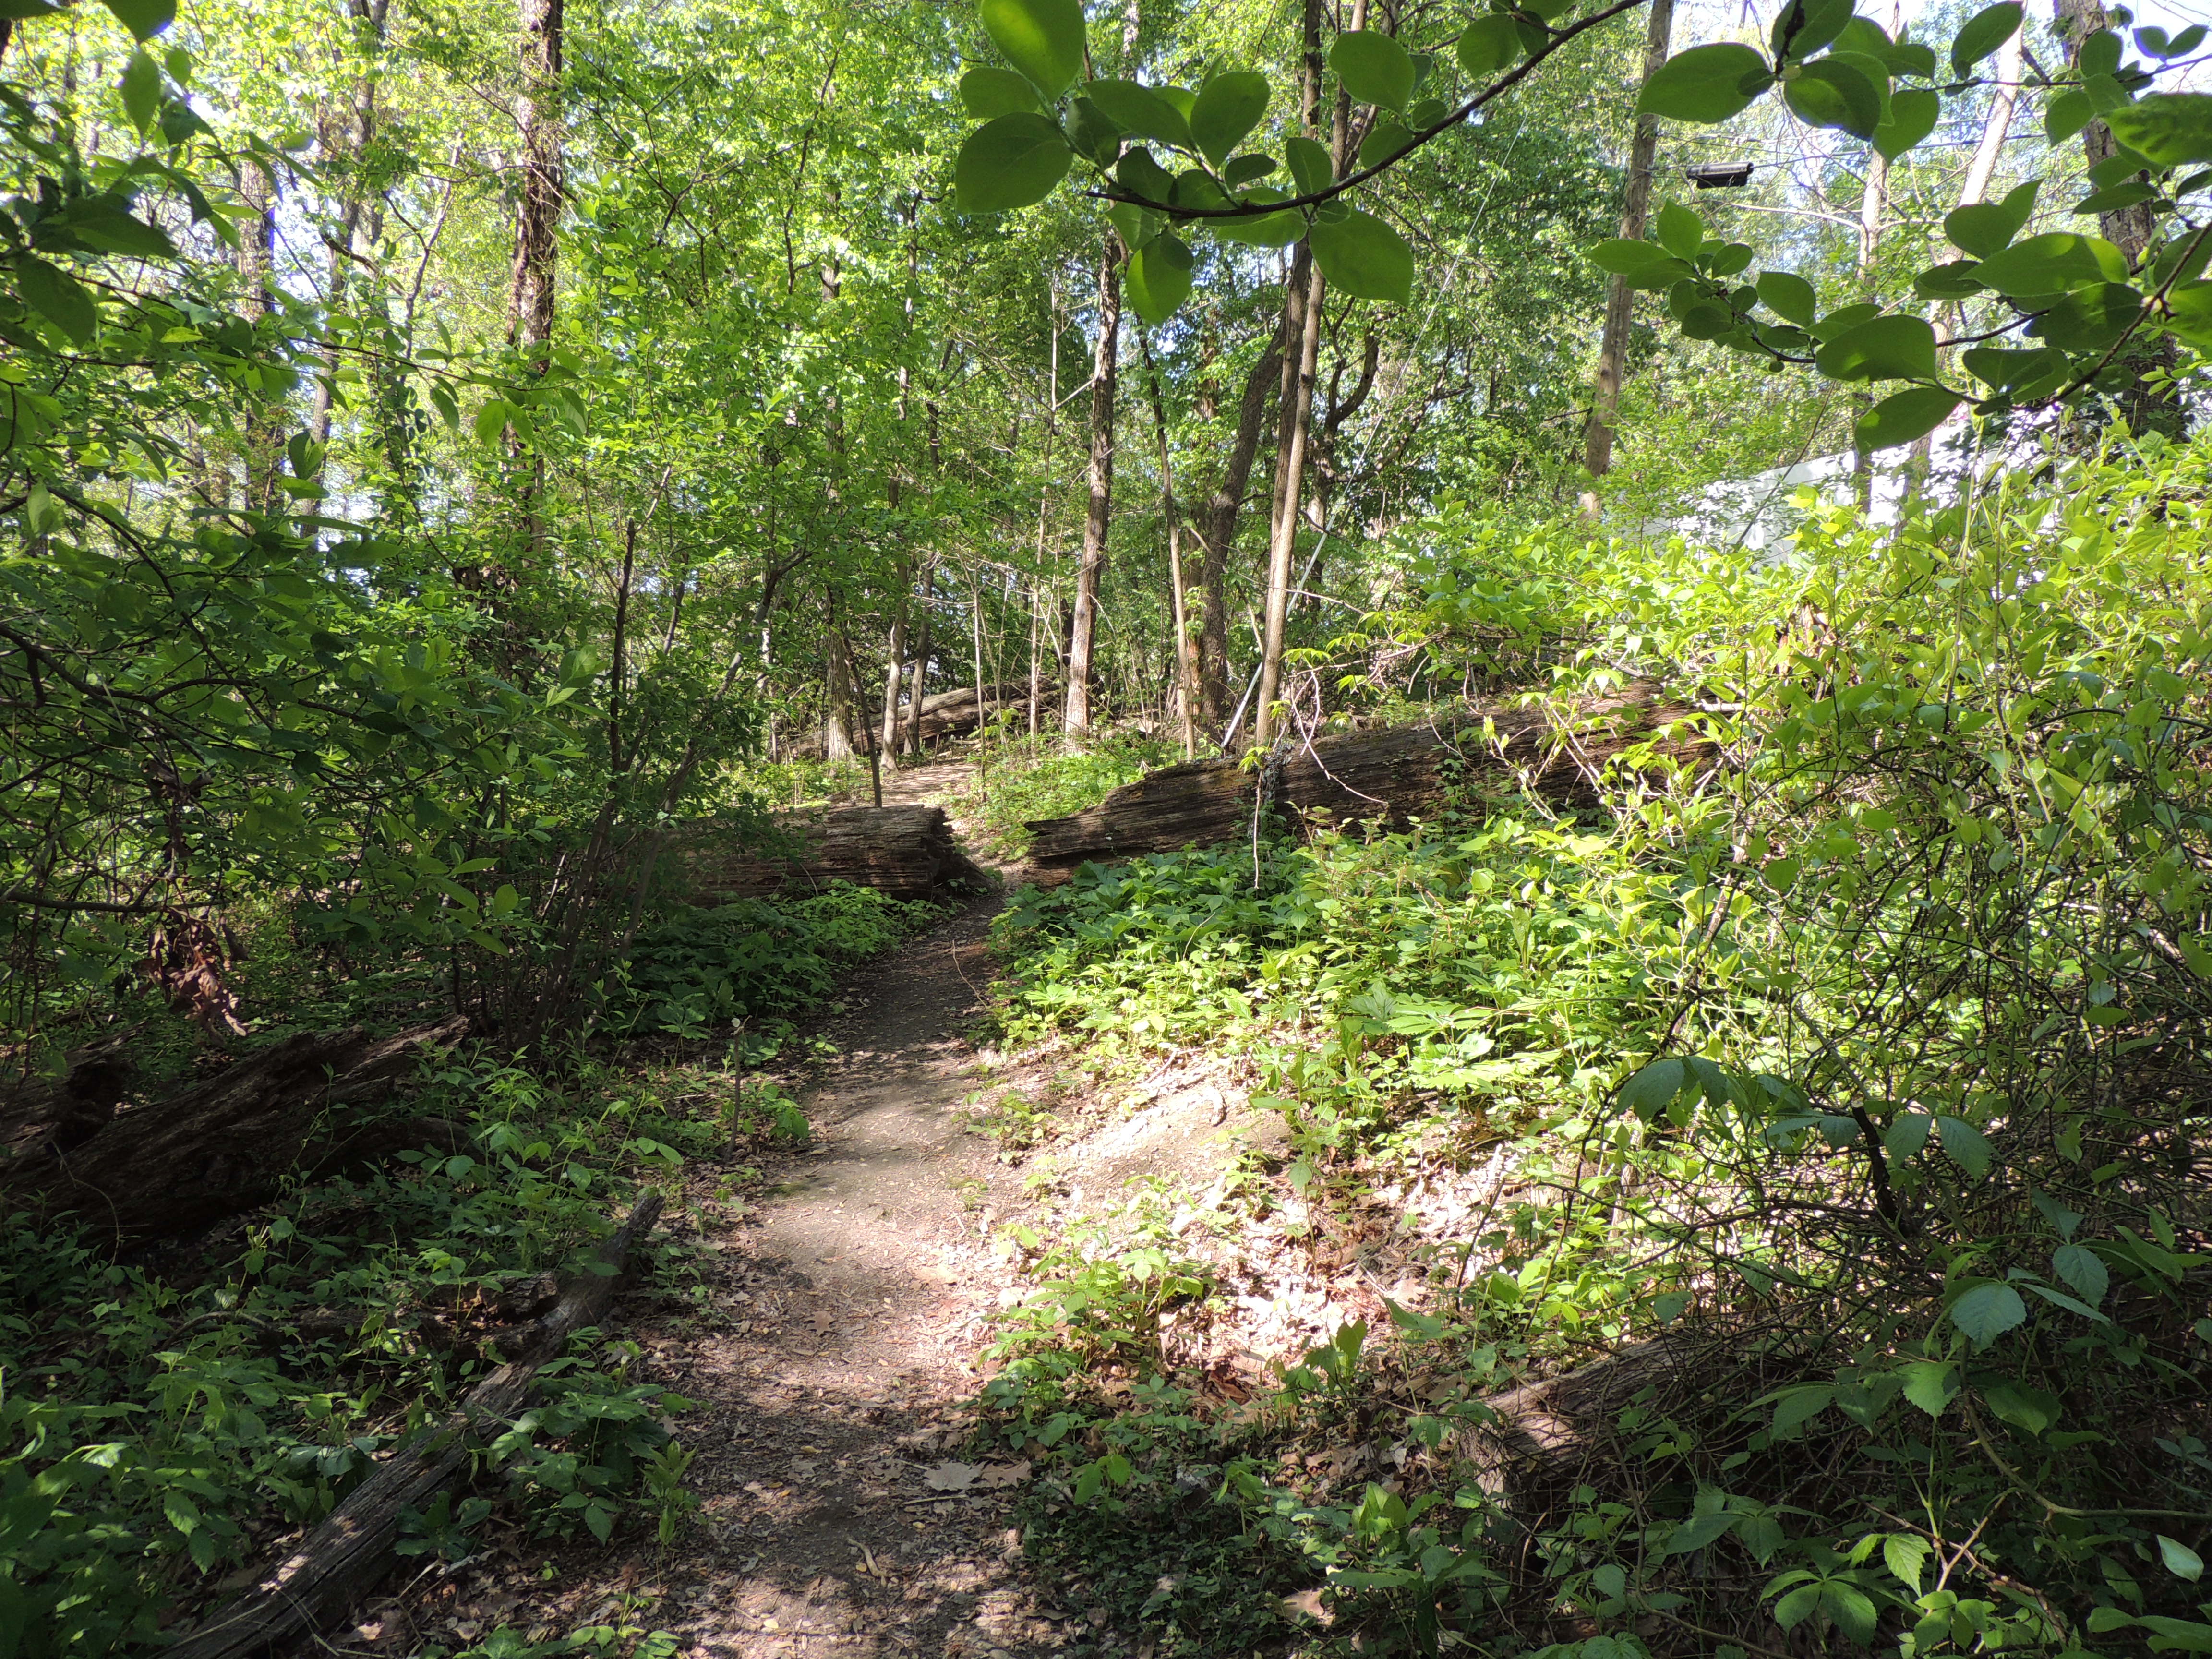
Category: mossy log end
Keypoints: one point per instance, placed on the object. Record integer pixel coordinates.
(1394, 775)
(907, 852)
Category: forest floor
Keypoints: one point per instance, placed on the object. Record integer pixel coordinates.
(828, 1350)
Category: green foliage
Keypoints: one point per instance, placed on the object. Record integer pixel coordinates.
(1020, 785)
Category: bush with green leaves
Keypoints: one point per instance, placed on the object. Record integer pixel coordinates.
(1018, 785)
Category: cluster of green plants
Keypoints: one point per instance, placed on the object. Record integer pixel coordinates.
(160, 1424)
(1022, 780)
(1857, 1063)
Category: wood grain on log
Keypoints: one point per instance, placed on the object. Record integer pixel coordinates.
(1394, 775)
(304, 1106)
(907, 852)
(345, 1557)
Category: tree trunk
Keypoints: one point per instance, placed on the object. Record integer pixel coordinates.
(837, 718)
(922, 660)
(1104, 369)
(1620, 298)
(1216, 524)
(538, 215)
(256, 253)
(887, 730)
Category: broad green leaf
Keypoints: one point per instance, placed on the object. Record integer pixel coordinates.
(2051, 264)
(141, 87)
(1135, 225)
(1644, 264)
(1653, 1088)
(1983, 32)
(1243, 169)
(1488, 44)
(1906, 1557)
(1010, 162)
(1093, 133)
(2090, 319)
(58, 297)
(1309, 165)
(1908, 1133)
(1159, 278)
(2098, 54)
(1798, 1407)
(1229, 106)
(1930, 1384)
(1195, 188)
(1681, 232)
(1705, 84)
(989, 91)
(1707, 320)
(1955, 281)
(1141, 110)
(1364, 257)
(1374, 68)
(1042, 39)
(144, 18)
(1986, 1311)
(2022, 1406)
(2066, 114)
(1982, 228)
(1904, 417)
(1788, 296)
(1700, 1530)
(1262, 230)
(1894, 347)
(1803, 26)
(2084, 1270)
(1141, 176)
(1964, 1145)
(1386, 140)
(1852, 1609)
(1912, 117)
(491, 420)
(2180, 1560)
(2168, 128)
(1837, 92)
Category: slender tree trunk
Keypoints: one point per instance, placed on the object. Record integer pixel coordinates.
(348, 137)
(256, 258)
(1874, 200)
(1104, 370)
(894, 675)
(837, 718)
(976, 632)
(537, 217)
(1186, 648)
(1296, 413)
(1216, 524)
(922, 660)
(1620, 298)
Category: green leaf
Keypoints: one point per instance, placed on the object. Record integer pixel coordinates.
(144, 18)
(1805, 25)
(1681, 232)
(58, 297)
(1263, 230)
(1364, 257)
(1893, 347)
(2066, 114)
(1141, 110)
(2090, 319)
(1930, 1384)
(1833, 92)
(2181, 1561)
(1906, 1557)
(1644, 265)
(1789, 297)
(1981, 228)
(1986, 1311)
(142, 90)
(1955, 281)
(491, 420)
(1908, 1133)
(1983, 32)
(1042, 39)
(2051, 264)
(1852, 1609)
(1964, 1145)
(1243, 169)
(1159, 278)
(1386, 140)
(2168, 128)
(1653, 1089)
(1374, 68)
(1798, 1407)
(1489, 45)
(2098, 54)
(2084, 1270)
(1310, 168)
(1904, 417)
(1010, 162)
(1912, 117)
(1705, 84)
(1141, 176)
(2020, 1405)
(989, 91)
(1135, 225)
(1229, 106)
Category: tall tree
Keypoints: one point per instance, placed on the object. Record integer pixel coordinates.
(538, 210)
(1097, 520)
(257, 253)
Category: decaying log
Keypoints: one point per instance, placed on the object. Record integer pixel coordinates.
(343, 1559)
(305, 1106)
(41, 1117)
(907, 852)
(1393, 775)
(944, 714)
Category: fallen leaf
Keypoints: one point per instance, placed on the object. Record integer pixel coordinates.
(952, 1477)
(1309, 1603)
(1003, 1475)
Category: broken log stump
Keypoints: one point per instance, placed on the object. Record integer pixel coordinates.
(907, 852)
(1394, 775)
(307, 1106)
(344, 1557)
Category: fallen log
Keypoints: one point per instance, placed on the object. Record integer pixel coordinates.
(907, 852)
(944, 714)
(344, 1557)
(309, 1106)
(1394, 775)
(42, 1115)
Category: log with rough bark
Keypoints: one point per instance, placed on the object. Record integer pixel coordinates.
(308, 1107)
(946, 713)
(907, 852)
(43, 1116)
(1393, 775)
(344, 1559)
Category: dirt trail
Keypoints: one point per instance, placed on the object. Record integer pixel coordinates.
(832, 1392)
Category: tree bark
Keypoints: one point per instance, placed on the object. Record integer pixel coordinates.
(1216, 524)
(1620, 298)
(1104, 372)
(538, 215)
(922, 647)
(887, 729)
(908, 852)
(256, 258)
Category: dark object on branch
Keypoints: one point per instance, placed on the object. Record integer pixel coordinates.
(1719, 175)
(1395, 774)
(345, 1557)
(307, 1106)
(907, 852)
